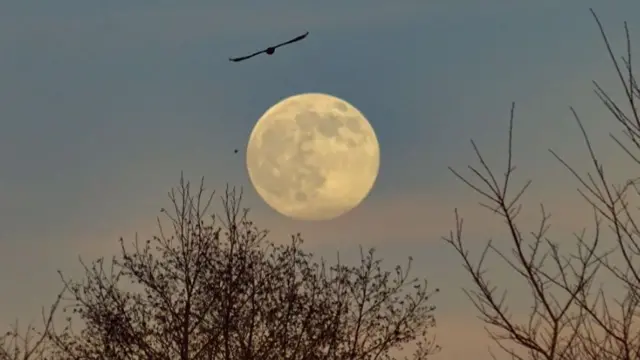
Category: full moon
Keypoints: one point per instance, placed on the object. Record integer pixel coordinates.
(313, 157)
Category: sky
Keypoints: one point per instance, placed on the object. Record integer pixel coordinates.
(103, 104)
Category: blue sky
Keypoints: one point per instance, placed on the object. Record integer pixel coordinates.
(102, 104)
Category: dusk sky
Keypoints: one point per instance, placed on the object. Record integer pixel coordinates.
(103, 104)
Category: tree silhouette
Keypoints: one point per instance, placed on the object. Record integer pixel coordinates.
(216, 288)
(33, 344)
(572, 316)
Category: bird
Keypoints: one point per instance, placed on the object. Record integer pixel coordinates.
(270, 50)
(235, 151)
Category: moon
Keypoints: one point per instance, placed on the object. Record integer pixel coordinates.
(313, 156)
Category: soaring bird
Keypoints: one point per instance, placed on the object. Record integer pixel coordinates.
(270, 50)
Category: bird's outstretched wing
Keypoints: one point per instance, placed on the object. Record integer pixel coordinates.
(292, 40)
(272, 48)
(246, 57)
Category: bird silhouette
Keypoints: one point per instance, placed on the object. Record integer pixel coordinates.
(270, 50)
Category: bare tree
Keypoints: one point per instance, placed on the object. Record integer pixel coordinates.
(33, 344)
(572, 315)
(216, 288)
